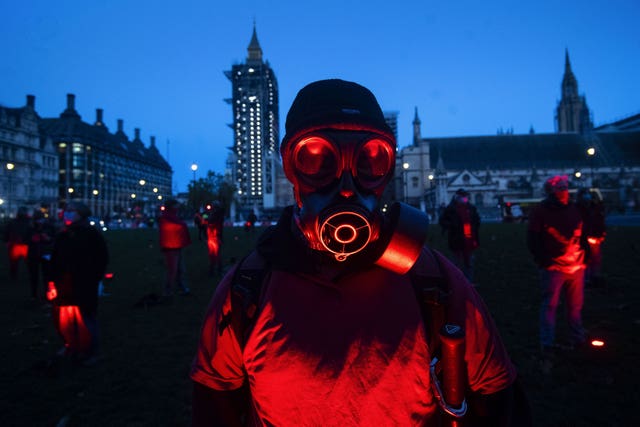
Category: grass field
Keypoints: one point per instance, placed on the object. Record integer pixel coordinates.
(142, 379)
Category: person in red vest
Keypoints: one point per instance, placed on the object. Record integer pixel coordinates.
(462, 222)
(174, 236)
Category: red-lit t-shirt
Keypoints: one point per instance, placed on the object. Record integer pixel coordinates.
(342, 352)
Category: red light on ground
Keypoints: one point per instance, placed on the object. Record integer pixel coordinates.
(592, 240)
(108, 276)
(597, 343)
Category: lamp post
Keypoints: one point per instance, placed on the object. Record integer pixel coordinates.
(591, 152)
(432, 197)
(143, 199)
(194, 168)
(10, 167)
(405, 170)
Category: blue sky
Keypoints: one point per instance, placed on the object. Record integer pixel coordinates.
(469, 67)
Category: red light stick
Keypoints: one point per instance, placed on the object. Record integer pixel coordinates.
(451, 396)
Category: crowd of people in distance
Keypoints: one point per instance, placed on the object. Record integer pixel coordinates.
(66, 261)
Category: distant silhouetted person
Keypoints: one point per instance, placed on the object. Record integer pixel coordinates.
(40, 242)
(174, 236)
(593, 215)
(214, 226)
(250, 224)
(200, 221)
(461, 221)
(555, 239)
(78, 264)
(16, 236)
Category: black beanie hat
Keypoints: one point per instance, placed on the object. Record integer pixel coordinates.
(334, 104)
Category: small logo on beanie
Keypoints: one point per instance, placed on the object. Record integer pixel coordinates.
(351, 111)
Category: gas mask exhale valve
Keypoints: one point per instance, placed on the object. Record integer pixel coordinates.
(344, 233)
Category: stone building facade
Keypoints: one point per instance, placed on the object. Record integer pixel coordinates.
(29, 172)
(107, 171)
(504, 166)
(56, 160)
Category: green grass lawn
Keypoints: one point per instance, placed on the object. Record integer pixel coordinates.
(142, 379)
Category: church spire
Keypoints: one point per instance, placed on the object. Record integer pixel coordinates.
(569, 82)
(254, 51)
(572, 112)
(416, 129)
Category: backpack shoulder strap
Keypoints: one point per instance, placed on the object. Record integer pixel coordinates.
(432, 293)
(246, 290)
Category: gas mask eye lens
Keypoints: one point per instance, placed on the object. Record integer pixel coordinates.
(373, 162)
(316, 160)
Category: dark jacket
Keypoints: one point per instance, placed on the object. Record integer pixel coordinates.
(40, 239)
(17, 231)
(594, 218)
(452, 222)
(555, 236)
(78, 264)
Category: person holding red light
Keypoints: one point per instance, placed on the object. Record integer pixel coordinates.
(336, 335)
(462, 223)
(593, 215)
(16, 236)
(557, 241)
(214, 224)
(78, 263)
(174, 237)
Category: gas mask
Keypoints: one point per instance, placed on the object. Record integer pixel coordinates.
(339, 177)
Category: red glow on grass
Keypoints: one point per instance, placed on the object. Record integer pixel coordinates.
(73, 329)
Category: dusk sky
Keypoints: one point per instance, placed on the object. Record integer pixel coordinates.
(469, 67)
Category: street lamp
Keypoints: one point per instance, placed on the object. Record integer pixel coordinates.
(591, 152)
(194, 168)
(405, 167)
(10, 167)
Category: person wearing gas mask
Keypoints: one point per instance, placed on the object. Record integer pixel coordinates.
(336, 336)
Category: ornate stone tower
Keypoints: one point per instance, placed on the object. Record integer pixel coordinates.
(572, 112)
(256, 128)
